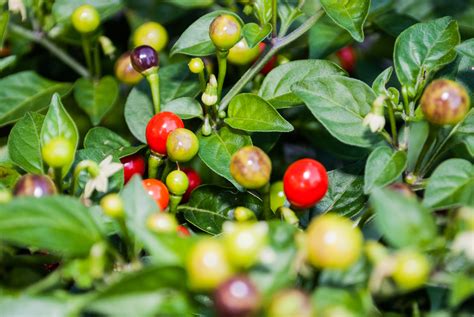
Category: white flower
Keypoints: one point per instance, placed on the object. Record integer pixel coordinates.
(375, 122)
(101, 182)
(17, 6)
(209, 97)
(464, 243)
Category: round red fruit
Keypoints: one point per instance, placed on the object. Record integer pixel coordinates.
(158, 129)
(347, 58)
(133, 164)
(305, 183)
(183, 231)
(194, 181)
(158, 191)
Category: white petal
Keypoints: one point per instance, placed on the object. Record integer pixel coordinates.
(101, 184)
(111, 169)
(89, 189)
(106, 161)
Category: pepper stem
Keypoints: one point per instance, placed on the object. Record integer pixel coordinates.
(154, 162)
(153, 79)
(222, 62)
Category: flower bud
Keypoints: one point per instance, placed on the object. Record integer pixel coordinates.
(107, 46)
(209, 97)
(445, 102)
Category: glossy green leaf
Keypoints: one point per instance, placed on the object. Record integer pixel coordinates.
(210, 206)
(184, 107)
(96, 98)
(423, 49)
(138, 112)
(415, 138)
(356, 275)
(450, 185)
(8, 175)
(352, 301)
(59, 224)
(254, 34)
(24, 144)
(195, 39)
(380, 83)
(26, 91)
(251, 113)
(289, 11)
(276, 87)
(138, 207)
(345, 195)
(465, 133)
(325, 37)
(141, 293)
(402, 220)
(462, 289)
(58, 123)
(262, 10)
(222, 144)
(466, 48)
(63, 9)
(177, 81)
(109, 143)
(340, 104)
(394, 23)
(383, 167)
(350, 15)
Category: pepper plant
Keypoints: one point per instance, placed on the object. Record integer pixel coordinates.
(236, 158)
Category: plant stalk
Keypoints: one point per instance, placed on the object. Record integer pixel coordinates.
(41, 39)
(274, 17)
(279, 43)
(86, 47)
(393, 124)
(222, 64)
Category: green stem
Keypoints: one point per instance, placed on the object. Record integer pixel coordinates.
(41, 39)
(274, 17)
(127, 239)
(387, 136)
(153, 79)
(97, 63)
(202, 81)
(393, 124)
(44, 284)
(58, 179)
(174, 202)
(168, 168)
(406, 103)
(86, 47)
(265, 193)
(278, 45)
(222, 64)
(154, 162)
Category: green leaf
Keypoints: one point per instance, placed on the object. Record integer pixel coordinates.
(383, 167)
(59, 224)
(355, 275)
(195, 40)
(138, 112)
(109, 143)
(58, 123)
(189, 4)
(276, 87)
(96, 98)
(352, 301)
(63, 9)
(466, 48)
(278, 274)
(210, 206)
(345, 195)
(141, 293)
(254, 34)
(325, 37)
(177, 81)
(462, 289)
(450, 185)
(423, 49)
(394, 23)
(4, 17)
(251, 113)
(138, 207)
(465, 133)
(21, 306)
(184, 107)
(380, 83)
(350, 15)
(289, 11)
(8, 62)
(222, 144)
(262, 10)
(416, 137)
(26, 91)
(340, 104)
(402, 220)
(8, 175)
(24, 144)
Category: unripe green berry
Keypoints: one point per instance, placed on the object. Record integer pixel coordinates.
(242, 214)
(445, 102)
(161, 222)
(196, 65)
(251, 167)
(112, 205)
(411, 271)
(58, 152)
(85, 19)
(5, 195)
(225, 31)
(177, 182)
(290, 302)
(182, 145)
